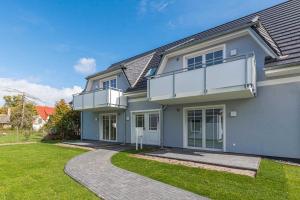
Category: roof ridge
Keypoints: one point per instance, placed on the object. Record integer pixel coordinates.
(194, 35)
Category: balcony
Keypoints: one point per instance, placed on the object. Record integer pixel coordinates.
(232, 78)
(101, 99)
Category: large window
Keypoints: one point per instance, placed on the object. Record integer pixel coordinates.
(208, 59)
(214, 58)
(194, 63)
(109, 84)
(153, 121)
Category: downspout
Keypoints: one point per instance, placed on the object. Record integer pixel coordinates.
(81, 125)
(124, 127)
(163, 108)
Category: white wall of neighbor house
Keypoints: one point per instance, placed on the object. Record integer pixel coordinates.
(242, 45)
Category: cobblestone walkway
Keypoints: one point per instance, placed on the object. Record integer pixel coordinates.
(95, 171)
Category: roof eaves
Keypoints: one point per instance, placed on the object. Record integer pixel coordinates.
(197, 41)
(105, 71)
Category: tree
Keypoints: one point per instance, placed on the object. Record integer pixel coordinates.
(16, 104)
(12, 101)
(64, 122)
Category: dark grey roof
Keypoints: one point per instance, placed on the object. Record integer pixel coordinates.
(279, 27)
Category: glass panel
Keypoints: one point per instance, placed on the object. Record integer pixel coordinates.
(191, 63)
(218, 57)
(153, 121)
(105, 127)
(113, 129)
(195, 128)
(105, 85)
(198, 62)
(113, 83)
(209, 59)
(139, 120)
(214, 128)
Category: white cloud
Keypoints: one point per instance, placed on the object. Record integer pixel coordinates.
(153, 6)
(85, 66)
(49, 95)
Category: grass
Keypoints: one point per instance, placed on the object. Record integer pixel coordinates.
(273, 181)
(35, 171)
(13, 137)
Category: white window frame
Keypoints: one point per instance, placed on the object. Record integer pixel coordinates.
(132, 121)
(185, 133)
(101, 126)
(157, 126)
(203, 53)
(109, 79)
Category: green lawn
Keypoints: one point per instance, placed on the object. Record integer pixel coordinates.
(273, 181)
(35, 171)
(12, 136)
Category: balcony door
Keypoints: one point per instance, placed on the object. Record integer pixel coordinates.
(204, 128)
(108, 127)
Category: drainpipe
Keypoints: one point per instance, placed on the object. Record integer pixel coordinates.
(163, 108)
(81, 125)
(124, 127)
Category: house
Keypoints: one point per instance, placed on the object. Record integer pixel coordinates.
(233, 88)
(43, 114)
(5, 119)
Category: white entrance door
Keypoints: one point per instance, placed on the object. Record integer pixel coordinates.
(204, 128)
(150, 122)
(108, 127)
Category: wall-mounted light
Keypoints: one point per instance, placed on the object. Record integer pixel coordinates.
(96, 118)
(233, 52)
(233, 113)
(177, 59)
(177, 109)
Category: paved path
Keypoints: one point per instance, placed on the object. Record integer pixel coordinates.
(95, 171)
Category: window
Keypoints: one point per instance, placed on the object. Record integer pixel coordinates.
(214, 58)
(113, 83)
(153, 121)
(105, 85)
(139, 120)
(194, 63)
(95, 85)
(109, 84)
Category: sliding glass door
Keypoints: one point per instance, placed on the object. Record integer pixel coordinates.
(205, 128)
(109, 127)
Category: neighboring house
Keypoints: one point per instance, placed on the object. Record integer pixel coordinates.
(5, 119)
(41, 119)
(233, 88)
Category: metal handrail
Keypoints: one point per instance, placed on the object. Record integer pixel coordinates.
(203, 65)
(97, 90)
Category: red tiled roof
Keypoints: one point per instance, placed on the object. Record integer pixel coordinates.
(44, 111)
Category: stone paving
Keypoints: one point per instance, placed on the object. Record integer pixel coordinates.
(245, 162)
(95, 171)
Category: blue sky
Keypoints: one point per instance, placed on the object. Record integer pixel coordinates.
(55, 44)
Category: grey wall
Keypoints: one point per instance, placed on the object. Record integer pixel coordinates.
(244, 45)
(90, 127)
(266, 125)
(135, 106)
(122, 82)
